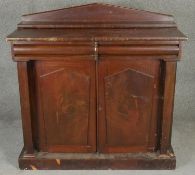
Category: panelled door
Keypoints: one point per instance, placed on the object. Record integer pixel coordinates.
(126, 91)
(67, 100)
(127, 104)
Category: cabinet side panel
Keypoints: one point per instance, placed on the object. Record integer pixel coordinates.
(23, 78)
(168, 105)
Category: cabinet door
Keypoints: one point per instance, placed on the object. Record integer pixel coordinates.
(67, 103)
(128, 104)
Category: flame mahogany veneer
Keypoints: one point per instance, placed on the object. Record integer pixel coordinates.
(97, 87)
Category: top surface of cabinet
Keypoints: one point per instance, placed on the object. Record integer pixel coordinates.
(97, 22)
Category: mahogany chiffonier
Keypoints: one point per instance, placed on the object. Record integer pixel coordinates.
(97, 87)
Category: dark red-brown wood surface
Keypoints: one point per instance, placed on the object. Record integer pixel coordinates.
(128, 105)
(97, 80)
(67, 95)
(26, 108)
(96, 34)
(97, 12)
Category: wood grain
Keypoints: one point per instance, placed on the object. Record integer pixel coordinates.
(25, 106)
(168, 102)
(69, 89)
(125, 104)
(97, 80)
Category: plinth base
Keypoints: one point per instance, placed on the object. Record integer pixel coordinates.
(74, 161)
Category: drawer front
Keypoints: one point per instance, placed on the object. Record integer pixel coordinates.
(139, 50)
(25, 51)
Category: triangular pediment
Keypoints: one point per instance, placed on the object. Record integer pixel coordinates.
(97, 12)
(94, 14)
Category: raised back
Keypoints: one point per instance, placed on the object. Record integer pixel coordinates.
(96, 15)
